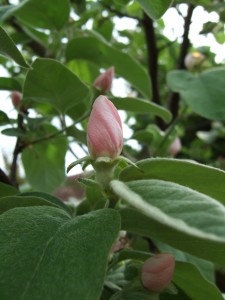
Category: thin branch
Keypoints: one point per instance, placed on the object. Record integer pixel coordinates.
(175, 97)
(152, 57)
(4, 178)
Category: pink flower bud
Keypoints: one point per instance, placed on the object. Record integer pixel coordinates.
(157, 272)
(104, 81)
(193, 60)
(104, 130)
(16, 97)
(175, 147)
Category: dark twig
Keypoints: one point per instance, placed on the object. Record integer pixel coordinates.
(18, 148)
(4, 178)
(152, 56)
(175, 97)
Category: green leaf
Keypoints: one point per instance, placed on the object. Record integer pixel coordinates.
(4, 120)
(138, 105)
(155, 8)
(18, 132)
(51, 82)
(205, 179)
(196, 287)
(7, 190)
(51, 14)
(100, 52)
(85, 70)
(202, 92)
(9, 49)
(51, 256)
(52, 199)
(44, 163)
(206, 268)
(134, 295)
(176, 215)
(9, 84)
(10, 202)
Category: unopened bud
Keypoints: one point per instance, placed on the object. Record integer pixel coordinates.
(157, 272)
(16, 97)
(193, 60)
(104, 130)
(175, 147)
(104, 81)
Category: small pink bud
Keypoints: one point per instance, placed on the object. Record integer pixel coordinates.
(157, 272)
(104, 130)
(175, 147)
(16, 97)
(193, 60)
(104, 81)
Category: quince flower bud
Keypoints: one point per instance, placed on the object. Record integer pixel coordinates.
(193, 60)
(104, 81)
(104, 130)
(175, 147)
(16, 97)
(157, 272)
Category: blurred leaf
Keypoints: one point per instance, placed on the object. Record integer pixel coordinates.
(155, 8)
(7, 190)
(9, 84)
(10, 202)
(51, 14)
(181, 217)
(51, 256)
(201, 289)
(133, 295)
(85, 70)
(104, 55)
(205, 179)
(142, 106)
(51, 82)
(13, 132)
(4, 120)
(5, 11)
(44, 162)
(9, 49)
(204, 92)
(78, 134)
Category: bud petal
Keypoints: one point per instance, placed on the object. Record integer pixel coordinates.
(193, 60)
(175, 147)
(104, 130)
(104, 81)
(157, 272)
(16, 97)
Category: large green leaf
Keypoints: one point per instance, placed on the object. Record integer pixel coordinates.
(142, 106)
(177, 215)
(104, 55)
(7, 190)
(51, 14)
(205, 179)
(44, 163)
(51, 82)
(155, 8)
(51, 256)
(204, 92)
(9, 49)
(196, 286)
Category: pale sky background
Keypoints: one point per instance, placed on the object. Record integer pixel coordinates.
(173, 30)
